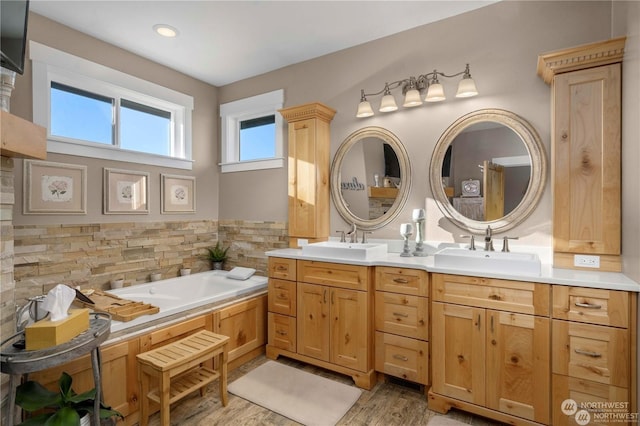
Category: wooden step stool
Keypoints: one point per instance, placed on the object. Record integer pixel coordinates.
(178, 367)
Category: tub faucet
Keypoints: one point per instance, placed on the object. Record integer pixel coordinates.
(353, 233)
(488, 240)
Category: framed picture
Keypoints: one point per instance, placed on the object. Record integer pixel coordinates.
(126, 192)
(178, 194)
(54, 188)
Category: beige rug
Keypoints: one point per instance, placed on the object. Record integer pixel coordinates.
(445, 421)
(300, 396)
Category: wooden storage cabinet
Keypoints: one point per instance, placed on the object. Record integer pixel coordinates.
(402, 323)
(586, 86)
(282, 305)
(331, 323)
(487, 357)
(282, 268)
(308, 171)
(594, 356)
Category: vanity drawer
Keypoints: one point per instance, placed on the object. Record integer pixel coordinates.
(282, 268)
(402, 280)
(402, 357)
(402, 314)
(591, 352)
(282, 297)
(584, 392)
(334, 274)
(596, 306)
(506, 295)
(282, 331)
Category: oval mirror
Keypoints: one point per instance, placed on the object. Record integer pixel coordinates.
(370, 178)
(488, 168)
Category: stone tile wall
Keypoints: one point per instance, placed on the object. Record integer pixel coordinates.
(7, 283)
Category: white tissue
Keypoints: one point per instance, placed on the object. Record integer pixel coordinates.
(58, 300)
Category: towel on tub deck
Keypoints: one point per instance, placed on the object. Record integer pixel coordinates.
(240, 273)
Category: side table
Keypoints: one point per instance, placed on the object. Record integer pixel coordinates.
(17, 362)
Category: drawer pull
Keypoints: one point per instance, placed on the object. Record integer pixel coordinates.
(588, 305)
(588, 353)
(399, 314)
(401, 281)
(401, 357)
(494, 297)
(282, 333)
(281, 296)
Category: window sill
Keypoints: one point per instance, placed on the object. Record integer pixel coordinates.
(108, 153)
(242, 166)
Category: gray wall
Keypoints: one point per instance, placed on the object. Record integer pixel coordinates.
(501, 42)
(205, 129)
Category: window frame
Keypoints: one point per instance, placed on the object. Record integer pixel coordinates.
(50, 64)
(232, 113)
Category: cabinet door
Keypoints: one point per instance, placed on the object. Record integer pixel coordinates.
(349, 335)
(302, 178)
(244, 323)
(518, 367)
(458, 352)
(586, 148)
(313, 321)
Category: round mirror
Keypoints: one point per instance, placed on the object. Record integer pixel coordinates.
(488, 168)
(370, 178)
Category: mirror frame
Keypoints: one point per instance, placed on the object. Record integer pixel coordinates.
(537, 176)
(336, 177)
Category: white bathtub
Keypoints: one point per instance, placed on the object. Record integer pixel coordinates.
(175, 295)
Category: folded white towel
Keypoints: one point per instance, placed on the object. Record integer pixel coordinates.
(240, 273)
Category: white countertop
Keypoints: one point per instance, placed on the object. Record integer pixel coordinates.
(548, 275)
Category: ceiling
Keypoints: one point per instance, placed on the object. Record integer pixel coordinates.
(220, 42)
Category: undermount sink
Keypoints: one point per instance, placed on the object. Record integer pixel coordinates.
(488, 261)
(352, 251)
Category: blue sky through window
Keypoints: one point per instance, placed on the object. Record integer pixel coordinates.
(81, 115)
(146, 131)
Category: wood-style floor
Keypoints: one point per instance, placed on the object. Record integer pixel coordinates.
(389, 403)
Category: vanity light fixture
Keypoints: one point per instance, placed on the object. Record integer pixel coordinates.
(165, 30)
(412, 89)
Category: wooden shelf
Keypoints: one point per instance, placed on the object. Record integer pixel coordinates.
(22, 138)
(378, 192)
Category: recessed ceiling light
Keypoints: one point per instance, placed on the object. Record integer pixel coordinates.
(165, 30)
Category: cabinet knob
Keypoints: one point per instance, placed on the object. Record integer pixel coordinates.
(564, 135)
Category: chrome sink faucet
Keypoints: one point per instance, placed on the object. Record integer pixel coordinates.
(353, 234)
(488, 239)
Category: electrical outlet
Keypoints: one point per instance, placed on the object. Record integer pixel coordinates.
(585, 261)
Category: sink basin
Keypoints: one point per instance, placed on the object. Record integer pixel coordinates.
(488, 261)
(351, 251)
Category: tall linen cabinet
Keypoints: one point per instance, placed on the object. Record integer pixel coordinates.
(309, 171)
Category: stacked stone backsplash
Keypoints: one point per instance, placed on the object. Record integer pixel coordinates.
(91, 255)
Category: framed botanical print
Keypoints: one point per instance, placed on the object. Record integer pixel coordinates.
(125, 192)
(54, 188)
(178, 194)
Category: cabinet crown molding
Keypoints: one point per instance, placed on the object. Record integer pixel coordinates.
(306, 111)
(584, 56)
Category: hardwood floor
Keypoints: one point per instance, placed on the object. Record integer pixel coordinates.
(390, 403)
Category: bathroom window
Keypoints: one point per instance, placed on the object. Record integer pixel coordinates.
(252, 133)
(94, 111)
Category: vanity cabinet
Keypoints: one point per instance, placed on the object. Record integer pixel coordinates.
(594, 357)
(586, 148)
(402, 323)
(308, 171)
(490, 347)
(325, 318)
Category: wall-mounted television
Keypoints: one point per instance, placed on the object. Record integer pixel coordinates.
(13, 34)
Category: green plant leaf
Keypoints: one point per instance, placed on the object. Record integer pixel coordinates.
(65, 385)
(33, 396)
(89, 395)
(66, 416)
(38, 420)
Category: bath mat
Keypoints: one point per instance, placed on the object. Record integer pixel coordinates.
(300, 396)
(445, 421)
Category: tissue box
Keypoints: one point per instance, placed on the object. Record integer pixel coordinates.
(47, 333)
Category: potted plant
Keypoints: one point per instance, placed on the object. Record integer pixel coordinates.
(69, 408)
(217, 255)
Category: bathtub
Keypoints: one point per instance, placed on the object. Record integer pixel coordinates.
(176, 295)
